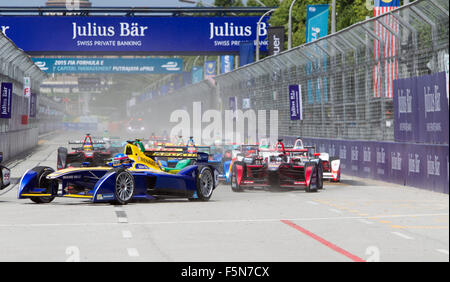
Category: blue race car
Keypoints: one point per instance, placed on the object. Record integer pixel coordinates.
(132, 175)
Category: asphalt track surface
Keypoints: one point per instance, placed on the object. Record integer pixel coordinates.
(356, 220)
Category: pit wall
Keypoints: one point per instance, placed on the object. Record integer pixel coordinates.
(423, 166)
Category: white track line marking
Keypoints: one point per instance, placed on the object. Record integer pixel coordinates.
(365, 221)
(127, 234)
(118, 209)
(335, 210)
(222, 220)
(402, 235)
(132, 252)
(442, 251)
(312, 203)
(122, 219)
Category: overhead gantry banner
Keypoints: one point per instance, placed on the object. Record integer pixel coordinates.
(109, 35)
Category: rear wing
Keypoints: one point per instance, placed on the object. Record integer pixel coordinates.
(96, 142)
(199, 156)
(185, 148)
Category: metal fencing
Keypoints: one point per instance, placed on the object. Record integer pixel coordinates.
(16, 135)
(346, 78)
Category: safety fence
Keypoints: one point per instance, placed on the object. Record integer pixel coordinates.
(347, 93)
(347, 78)
(21, 118)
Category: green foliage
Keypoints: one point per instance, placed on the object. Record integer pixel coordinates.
(228, 3)
(348, 12)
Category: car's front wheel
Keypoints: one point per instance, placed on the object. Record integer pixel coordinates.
(205, 183)
(125, 187)
(235, 187)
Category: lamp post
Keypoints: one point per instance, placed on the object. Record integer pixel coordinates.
(290, 25)
(257, 32)
(333, 16)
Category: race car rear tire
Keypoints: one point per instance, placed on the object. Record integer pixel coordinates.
(319, 176)
(205, 183)
(235, 187)
(124, 187)
(43, 182)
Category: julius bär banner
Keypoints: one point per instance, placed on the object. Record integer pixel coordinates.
(421, 109)
(295, 102)
(44, 34)
(5, 99)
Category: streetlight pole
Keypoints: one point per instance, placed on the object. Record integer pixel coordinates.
(257, 32)
(290, 25)
(333, 16)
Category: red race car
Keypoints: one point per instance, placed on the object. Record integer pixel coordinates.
(278, 168)
(91, 153)
(331, 165)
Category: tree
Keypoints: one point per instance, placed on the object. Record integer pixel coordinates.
(348, 12)
(228, 3)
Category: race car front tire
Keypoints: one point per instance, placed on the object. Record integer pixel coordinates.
(124, 187)
(205, 183)
(43, 182)
(235, 187)
(310, 187)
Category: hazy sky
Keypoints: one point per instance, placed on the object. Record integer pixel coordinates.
(111, 3)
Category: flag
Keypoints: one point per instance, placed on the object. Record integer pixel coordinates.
(389, 49)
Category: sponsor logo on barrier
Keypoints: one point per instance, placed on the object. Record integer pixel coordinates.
(381, 156)
(367, 158)
(404, 101)
(332, 150)
(413, 163)
(396, 161)
(343, 152)
(432, 99)
(367, 154)
(354, 153)
(433, 165)
(322, 148)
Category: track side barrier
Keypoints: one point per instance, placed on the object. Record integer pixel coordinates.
(424, 166)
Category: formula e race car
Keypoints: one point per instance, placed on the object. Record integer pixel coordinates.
(237, 153)
(4, 175)
(89, 154)
(132, 175)
(331, 165)
(279, 169)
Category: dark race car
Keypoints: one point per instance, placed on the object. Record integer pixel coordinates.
(4, 175)
(279, 168)
(86, 155)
